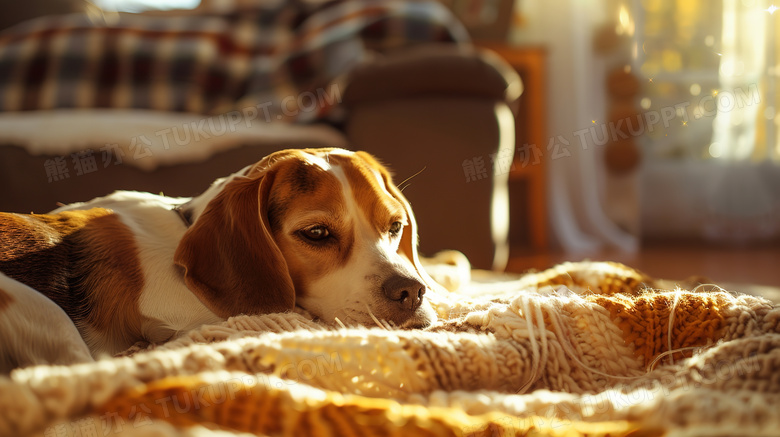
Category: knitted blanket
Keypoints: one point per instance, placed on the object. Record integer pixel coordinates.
(580, 349)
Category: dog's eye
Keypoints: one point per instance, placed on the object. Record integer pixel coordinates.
(316, 233)
(395, 228)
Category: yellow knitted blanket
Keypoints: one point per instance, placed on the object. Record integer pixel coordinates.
(582, 349)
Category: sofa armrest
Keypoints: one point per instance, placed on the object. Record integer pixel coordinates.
(434, 70)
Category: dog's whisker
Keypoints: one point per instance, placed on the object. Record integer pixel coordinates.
(373, 317)
(350, 321)
(340, 323)
(408, 179)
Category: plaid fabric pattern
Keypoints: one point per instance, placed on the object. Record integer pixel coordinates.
(283, 58)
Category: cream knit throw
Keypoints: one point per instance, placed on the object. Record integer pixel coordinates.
(581, 349)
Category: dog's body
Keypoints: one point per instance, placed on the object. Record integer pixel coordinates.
(322, 229)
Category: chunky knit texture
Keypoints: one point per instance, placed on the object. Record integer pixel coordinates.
(580, 349)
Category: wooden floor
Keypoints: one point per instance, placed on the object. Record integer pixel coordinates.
(675, 261)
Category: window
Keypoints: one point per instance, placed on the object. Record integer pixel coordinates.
(714, 62)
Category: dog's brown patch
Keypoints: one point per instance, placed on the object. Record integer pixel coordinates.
(370, 193)
(35, 249)
(85, 261)
(112, 277)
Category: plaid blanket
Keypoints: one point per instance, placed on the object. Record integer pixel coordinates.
(283, 60)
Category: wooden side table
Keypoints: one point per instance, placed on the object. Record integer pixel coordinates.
(529, 229)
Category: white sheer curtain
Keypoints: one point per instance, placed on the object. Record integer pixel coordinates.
(744, 41)
(743, 200)
(714, 174)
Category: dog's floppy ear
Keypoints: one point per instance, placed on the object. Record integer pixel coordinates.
(231, 261)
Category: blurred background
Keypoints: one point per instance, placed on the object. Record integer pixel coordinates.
(639, 131)
(689, 183)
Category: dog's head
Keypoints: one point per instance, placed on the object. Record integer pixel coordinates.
(325, 229)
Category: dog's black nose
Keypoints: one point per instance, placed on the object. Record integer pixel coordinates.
(408, 292)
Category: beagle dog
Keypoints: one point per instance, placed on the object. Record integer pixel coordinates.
(322, 229)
